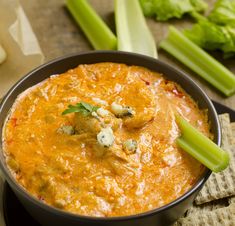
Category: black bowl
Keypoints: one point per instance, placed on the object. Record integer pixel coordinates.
(48, 215)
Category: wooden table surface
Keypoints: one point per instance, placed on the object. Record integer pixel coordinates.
(59, 35)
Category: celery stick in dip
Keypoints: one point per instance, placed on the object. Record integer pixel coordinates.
(201, 147)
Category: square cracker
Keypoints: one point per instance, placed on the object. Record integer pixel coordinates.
(209, 206)
(233, 131)
(218, 217)
(221, 185)
(231, 200)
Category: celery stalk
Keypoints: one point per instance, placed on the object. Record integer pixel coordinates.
(98, 33)
(132, 31)
(201, 147)
(199, 61)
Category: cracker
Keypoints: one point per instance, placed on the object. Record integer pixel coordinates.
(221, 185)
(233, 127)
(218, 217)
(226, 128)
(231, 200)
(233, 131)
(209, 206)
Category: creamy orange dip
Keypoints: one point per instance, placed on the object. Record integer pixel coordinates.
(121, 158)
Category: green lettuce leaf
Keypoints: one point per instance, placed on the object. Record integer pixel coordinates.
(211, 36)
(148, 7)
(223, 13)
(229, 49)
(167, 9)
(199, 5)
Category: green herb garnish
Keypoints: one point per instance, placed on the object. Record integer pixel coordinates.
(201, 147)
(82, 107)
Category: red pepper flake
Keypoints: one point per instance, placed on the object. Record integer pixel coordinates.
(171, 87)
(177, 93)
(164, 164)
(166, 81)
(146, 82)
(9, 141)
(41, 198)
(192, 181)
(14, 121)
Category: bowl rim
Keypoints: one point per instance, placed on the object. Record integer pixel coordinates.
(51, 209)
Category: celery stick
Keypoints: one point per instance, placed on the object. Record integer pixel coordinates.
(199, 61)
(98, 33)
(132, 31)
(201, 147)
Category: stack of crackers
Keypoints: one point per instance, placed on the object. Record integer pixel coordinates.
(215, 204)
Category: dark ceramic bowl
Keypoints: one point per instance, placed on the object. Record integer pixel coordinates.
(48, 215)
